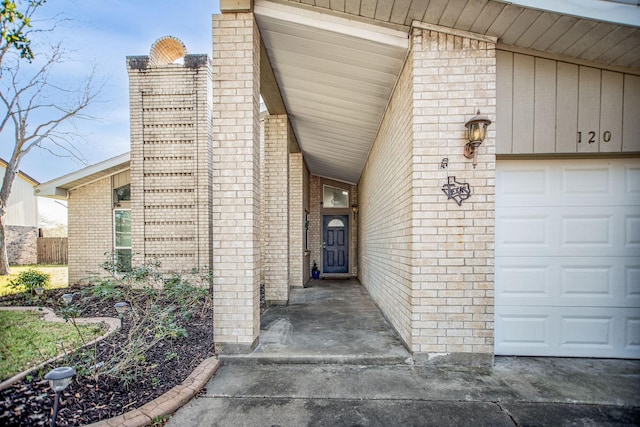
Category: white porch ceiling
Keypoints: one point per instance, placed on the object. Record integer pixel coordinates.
(335, 77)
(336, 61)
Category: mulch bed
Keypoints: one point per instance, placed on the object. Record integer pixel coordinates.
(30, 402)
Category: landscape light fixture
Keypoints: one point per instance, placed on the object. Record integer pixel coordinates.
(59, 379)
(121, 308)
(476, 133)
(39, 290)
(67, 298)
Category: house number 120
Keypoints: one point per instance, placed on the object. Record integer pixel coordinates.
(606, 136)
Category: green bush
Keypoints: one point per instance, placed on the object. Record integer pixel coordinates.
(29, 280)
(160, 305)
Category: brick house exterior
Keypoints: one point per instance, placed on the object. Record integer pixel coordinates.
(217, 182)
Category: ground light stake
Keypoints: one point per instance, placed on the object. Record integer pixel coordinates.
(59, 379)
(121, 308)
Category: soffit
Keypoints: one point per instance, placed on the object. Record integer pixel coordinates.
(606, 32)
(58, 188)
(336, 62)
(336, 77)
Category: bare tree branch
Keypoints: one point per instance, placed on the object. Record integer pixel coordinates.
(29, 107)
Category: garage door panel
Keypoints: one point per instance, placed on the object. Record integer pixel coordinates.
(530, 182)
(631, 180)
(587, 180)
(632, 282)
(522, 281)
(632, 232)
(586, 231)
(557, 182)
(567, 231)
(521, 329)
(568, 258)
(593, 282)
(586, 332)
(632, 335)
(524, 230)
(544, 331)
(567, 281)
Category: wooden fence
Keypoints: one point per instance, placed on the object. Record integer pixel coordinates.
(52, 250)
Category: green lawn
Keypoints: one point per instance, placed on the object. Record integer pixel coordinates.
(59, 277)
(26, 340)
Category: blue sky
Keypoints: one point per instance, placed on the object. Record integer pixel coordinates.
(101, 34)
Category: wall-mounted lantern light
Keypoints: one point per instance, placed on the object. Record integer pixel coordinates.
(354, 209)
(476, 132)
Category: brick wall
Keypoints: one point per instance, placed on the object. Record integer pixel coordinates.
(170, 162)
(453, 245)
(426, 261)
(90, 229)
(386, 211)
(22, 244)
(275, 209)
(315, 221)
(236, 186)
(296, 220)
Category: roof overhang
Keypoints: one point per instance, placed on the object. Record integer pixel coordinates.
(335, 64)
(335, 76)
(59, 188)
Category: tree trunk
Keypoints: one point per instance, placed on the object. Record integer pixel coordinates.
(4, 260)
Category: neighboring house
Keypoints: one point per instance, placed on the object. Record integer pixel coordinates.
(359, 166)
(21, 220)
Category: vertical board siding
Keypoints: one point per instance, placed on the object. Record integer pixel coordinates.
(589, 109)
(631, 114)
(567, 107)
(523, 89)
(611, 112)
(544, 138)
(545, 106)
(504, 107)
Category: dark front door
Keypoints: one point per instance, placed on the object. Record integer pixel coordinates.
(335, 238)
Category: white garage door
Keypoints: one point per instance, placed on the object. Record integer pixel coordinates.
(568, 258)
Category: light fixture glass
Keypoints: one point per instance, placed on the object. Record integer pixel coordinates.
(476, 133)
(60, 378)
(121, 307)
(67, 298)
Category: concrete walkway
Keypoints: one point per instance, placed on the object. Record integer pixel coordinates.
(365, 378)
(331, 321)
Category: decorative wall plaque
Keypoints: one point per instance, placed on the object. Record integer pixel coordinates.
(458, 191)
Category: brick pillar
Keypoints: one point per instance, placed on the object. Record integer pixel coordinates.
(453, 76)
(170, 162)
(275, 261)
(296, 220)
(236, 175)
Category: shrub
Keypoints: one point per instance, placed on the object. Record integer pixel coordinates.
(29, 280)
(159, 307)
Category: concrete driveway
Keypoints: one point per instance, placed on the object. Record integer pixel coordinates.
(331, 359)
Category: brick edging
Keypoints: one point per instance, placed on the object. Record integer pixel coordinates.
(167, 403)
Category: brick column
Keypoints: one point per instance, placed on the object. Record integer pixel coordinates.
(236, 175)
(453, 258)
(296, 220)
(170, 162)
(275, 257)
